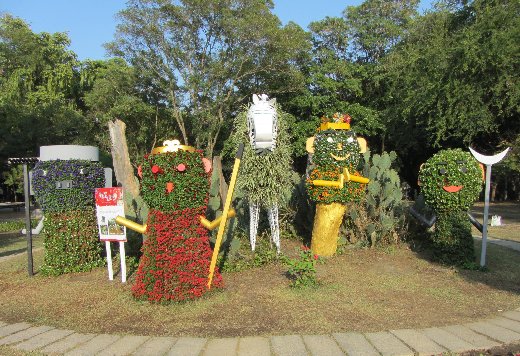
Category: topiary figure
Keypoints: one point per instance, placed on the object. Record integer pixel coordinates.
(451, 181)
(65, 191)
(176, 254)
(265, 170)
(334, 179)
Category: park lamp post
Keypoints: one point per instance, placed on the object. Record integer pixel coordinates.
(488, 161)
(25, 161)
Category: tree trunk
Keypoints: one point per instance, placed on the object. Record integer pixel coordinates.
(122, 167)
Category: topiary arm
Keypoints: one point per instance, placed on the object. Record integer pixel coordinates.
(131, 225)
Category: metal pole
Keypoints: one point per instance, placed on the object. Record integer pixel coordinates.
(28, 228)
(486, 211)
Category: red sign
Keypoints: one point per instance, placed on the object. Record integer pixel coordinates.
(108, 196)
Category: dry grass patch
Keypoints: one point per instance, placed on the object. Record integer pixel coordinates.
(361, 290)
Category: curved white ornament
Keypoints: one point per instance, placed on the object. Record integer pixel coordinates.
(489, 160)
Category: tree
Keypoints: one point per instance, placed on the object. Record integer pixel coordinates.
(113, 90)
(377, 25)
(453, 80)
(38, 89)
(14, 180)
(204, 56)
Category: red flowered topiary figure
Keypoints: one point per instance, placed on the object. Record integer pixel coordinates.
(176, 254)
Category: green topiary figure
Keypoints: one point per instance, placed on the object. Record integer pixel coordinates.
(65, 191)
(334, 180)
(265, 171)
(451, 181)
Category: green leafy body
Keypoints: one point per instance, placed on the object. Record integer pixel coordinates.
(459, 172)
(264, 179)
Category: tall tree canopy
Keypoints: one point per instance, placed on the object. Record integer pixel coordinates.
(38, 89)
(207, 56)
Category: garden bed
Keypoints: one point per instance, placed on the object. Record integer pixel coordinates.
(361, 290)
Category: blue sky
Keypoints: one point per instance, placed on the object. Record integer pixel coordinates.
(90, 23)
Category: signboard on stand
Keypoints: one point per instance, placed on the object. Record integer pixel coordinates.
(109, 205)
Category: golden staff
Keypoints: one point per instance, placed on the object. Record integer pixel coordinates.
(345, 176)
(225, 213)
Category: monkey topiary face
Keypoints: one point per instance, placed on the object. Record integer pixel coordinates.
(451, 180)
(338, 148)
(173, 181)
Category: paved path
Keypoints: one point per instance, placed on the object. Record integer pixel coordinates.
(506, 243)
(484, 334)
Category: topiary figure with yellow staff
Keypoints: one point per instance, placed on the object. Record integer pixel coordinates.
(176, 254)
(334, 179)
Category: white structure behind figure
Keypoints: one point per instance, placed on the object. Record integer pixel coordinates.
(262, 124)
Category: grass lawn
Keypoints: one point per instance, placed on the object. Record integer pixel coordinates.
(361, 290)
(510, 213)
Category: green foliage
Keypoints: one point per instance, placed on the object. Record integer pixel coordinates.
(452, 240)
(265, 179)
(453, 80)
(380, 218)
(13, 178)
(71, 242)
(38, 89)
(113, 89)
(376, 25)
(85, 177)
(237, 255)
(14, 225)
(186, 174)
(302, 270)
(451, 168)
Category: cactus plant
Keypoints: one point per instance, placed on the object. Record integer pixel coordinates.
(379, 219)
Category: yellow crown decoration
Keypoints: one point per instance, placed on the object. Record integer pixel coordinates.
(338, 122)
(172, 146)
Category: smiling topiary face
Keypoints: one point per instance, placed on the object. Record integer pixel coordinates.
(451, 180)
(338, 148)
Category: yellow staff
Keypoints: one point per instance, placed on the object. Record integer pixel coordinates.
(225, 213)
(345, 176)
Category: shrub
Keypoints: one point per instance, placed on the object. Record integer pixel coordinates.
(302, 270)
(71, 242)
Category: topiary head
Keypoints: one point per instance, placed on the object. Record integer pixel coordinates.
(65, 185)
(175, 179)
(336, 145)
(451, 180)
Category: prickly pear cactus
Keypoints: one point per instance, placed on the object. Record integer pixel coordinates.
(379, 219)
